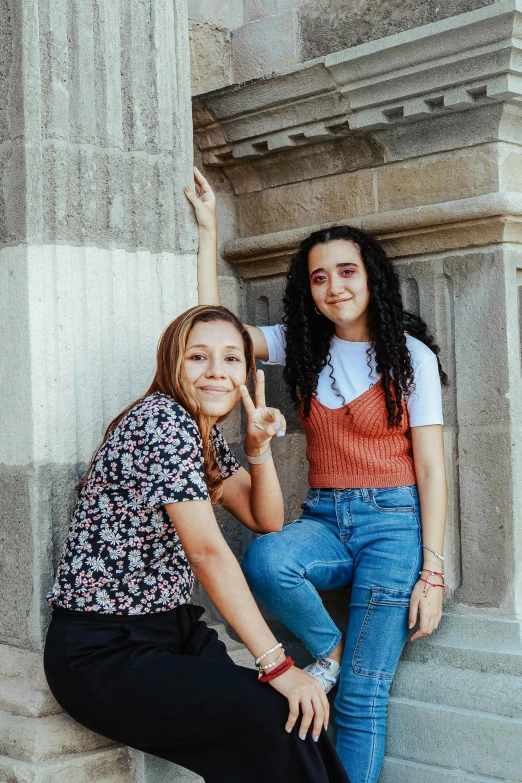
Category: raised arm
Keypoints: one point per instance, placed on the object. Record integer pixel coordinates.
(203, 200)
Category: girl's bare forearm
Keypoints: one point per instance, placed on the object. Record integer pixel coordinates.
(208, 291)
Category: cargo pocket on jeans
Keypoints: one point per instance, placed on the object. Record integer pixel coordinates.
(383, 633)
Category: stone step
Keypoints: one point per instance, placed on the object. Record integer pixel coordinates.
(111, 765)
(499, 694)
(476, 742)
(24, 698)
(42, 739)
(402, 771)
(469, 642)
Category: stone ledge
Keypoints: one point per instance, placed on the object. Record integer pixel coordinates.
(471, 222)
(403, 771)
(108, 766)
(42, 739)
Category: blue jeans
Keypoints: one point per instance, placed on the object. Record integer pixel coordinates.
(369, 539)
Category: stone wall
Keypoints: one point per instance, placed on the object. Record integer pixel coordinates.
(238, 40)
(416, 139)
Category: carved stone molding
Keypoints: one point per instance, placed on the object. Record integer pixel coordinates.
(472, 222)
(447, 66)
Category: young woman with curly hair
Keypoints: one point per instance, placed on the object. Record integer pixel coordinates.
(127, 654)
(365, 377)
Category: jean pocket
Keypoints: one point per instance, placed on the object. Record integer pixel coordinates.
(383, 633)
(393, 500)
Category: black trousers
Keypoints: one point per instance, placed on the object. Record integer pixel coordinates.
(164, 683)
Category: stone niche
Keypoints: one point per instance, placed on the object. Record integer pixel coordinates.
(415, 138)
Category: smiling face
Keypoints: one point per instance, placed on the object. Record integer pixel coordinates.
(214, 366)
(339, 286)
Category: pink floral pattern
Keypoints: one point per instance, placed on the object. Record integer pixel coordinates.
(122, 554)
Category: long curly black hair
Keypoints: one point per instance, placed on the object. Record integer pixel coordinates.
(309, 333)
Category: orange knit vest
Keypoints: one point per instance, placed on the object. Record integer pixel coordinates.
(357, 448)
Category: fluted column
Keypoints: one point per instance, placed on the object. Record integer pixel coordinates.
(97, 254)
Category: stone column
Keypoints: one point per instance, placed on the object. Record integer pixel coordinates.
(417, 139)
(97, 255)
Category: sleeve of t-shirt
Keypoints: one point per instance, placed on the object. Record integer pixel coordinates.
(425, 402)
(276, 342)
(170, 465)
(228, 464)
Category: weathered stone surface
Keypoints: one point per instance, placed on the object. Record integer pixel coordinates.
(330, 25)
(257, 9)
(126, 104)
(210, 57)
(226, 13)
(41, 739)
(264, 46)
(302, 204)
(436, 180)
(107, 766)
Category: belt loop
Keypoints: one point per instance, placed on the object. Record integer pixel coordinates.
(365, 494)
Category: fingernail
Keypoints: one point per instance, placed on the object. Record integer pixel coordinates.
(316, 739)
(281, 434)
(326, 727)
(303, 736)
(289, 731)
(277, 426)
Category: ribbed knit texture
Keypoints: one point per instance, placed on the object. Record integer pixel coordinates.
(358, 449)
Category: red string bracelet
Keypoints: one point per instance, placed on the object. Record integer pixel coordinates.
(429, 585)
(281, 669)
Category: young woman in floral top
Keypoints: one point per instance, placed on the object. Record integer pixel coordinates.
(126, 654)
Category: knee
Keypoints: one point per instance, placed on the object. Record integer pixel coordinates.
(262, 563)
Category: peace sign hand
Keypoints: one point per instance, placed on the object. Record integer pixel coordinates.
(262, 422)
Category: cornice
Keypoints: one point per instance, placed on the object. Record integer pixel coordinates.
(472, 222)
(451, 65)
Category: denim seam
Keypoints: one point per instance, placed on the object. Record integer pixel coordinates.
(338, 636)
(374, 730)
(419, 536)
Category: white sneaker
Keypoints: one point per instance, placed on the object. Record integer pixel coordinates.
(326, 670)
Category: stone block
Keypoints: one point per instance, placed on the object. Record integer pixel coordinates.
(403, 771)
(332, 157)
(431, 181)
(306, 203)
(210, 57)
(225, 13)
(498, 694)
(425, 733)
(486, 521)
(331, 25)
(267, 45)
(42, 739)
(257, 9)
(111, 765)
(510, 167)
(446, 132)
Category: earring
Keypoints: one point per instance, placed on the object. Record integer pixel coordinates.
(317, 311)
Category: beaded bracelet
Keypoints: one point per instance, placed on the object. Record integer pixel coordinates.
(268, 652)
(433, 552)
(272, 665)
(281, 669)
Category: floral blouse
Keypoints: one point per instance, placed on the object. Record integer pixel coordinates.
(122, 554)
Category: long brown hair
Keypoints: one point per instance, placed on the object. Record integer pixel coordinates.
(170, 380)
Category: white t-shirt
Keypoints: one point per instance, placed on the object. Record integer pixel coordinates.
(353, 376)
